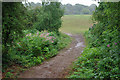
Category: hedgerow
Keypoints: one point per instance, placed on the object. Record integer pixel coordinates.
(100, 59)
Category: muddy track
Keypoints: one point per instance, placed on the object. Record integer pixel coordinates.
(58, 66)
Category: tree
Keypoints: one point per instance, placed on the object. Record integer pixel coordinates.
(92, 8)
(50, 17)
(85, 11)
(13, 22)
(78, 9)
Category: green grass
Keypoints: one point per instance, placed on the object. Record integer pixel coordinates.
(76, 23)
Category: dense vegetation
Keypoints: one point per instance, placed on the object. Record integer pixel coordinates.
(70, 9)
(30, 36)
(101, 57)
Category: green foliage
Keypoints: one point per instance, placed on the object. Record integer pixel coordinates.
(49, 17)
(13, 18)
(63, 41)
(8, 75)
(85, 11)
(32, 16)
(25, 46)
(34, 48)
(101, 57)
(108, 13)
(97, 63)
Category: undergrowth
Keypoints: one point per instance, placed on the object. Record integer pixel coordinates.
(100, 59)
(34, 48)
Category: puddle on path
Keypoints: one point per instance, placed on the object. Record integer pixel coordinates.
(80, 44)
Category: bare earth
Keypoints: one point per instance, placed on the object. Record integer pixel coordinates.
(58, 66)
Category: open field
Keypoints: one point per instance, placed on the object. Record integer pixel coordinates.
(76, 23)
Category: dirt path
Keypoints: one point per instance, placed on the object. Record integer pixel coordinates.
(57, 66)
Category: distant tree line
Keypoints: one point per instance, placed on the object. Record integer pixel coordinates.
(78, 9)
(70, 9)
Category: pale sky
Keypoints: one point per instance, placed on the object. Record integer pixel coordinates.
(84, 2)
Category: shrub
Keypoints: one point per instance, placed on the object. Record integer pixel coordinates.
(35, 47)
(49, 17)
(100, 59)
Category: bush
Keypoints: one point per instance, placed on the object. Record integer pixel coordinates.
(13, 24)
(100, 59)
(97, 63)
(49, 18)
(35, 47)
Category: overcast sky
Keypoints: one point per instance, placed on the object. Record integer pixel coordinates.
(84, 2)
